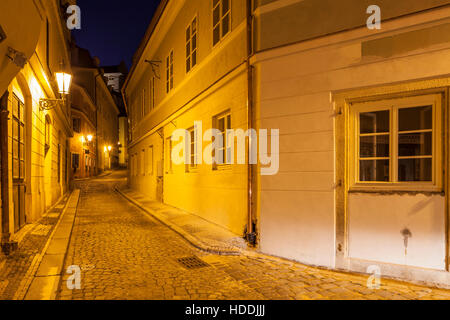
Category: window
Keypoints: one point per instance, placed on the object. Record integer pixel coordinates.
(221, 19)
(143, 162)
(151, 91)
(168, 155)
(18, 139)
(149, 164)
(193, 151)
(145, 105)
(191, 45)
(76, 125)
(169, 72)
(397, 142)
(223, 123)
(75, 161)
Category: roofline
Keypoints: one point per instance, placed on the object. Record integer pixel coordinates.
(145, 40)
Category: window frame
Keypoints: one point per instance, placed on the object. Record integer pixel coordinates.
(189, 41)
(394, 105)
(192, 167)
(19, 123)
(150, 160)
(223, 115)
(229, 12)
(170, 71)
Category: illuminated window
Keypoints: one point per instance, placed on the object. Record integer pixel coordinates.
(397, 142)
(223, 123)
(221, 19)
(191, 45)
(169, 72)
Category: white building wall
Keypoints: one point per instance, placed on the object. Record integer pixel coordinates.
(295, 89)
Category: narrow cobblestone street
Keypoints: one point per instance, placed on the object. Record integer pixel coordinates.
(123, 254)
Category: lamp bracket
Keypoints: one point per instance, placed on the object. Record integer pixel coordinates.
(49, 104)
(155, 64)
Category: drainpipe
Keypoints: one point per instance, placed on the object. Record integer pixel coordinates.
(251, 235)
(97, 159)
(6, 244)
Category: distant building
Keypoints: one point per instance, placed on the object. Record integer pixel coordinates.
(90, 78)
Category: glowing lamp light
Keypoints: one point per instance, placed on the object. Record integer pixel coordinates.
(64, 80)
(105, 149)
(90, 137)
(109, 148)
(83, 140)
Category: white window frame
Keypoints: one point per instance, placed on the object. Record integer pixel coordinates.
(220, 24)
(216, 119)
(170, 71)
(435, 100)
(192, 167)
(189, 61)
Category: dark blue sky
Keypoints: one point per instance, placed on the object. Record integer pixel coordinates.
(112, 30)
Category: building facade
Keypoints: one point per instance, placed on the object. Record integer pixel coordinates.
(363, 119)
(361, 112)
(83, 145)
(35, 167)
(186, 71)
(90, 77)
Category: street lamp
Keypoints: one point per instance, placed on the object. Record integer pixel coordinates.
(90, 137)
(64, 81)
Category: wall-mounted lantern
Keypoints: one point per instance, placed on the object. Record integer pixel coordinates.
(64, 81)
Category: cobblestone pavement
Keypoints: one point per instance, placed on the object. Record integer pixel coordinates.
(126, 255)
(14, 267)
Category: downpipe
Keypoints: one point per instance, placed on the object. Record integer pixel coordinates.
(250, 232)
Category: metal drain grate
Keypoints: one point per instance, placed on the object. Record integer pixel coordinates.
(192, 263)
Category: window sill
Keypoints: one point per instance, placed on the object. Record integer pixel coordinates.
(397, 188)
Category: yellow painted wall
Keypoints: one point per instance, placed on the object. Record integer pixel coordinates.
(216, 195)
(36, 81)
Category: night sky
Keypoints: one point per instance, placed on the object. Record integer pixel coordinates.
(112, 30)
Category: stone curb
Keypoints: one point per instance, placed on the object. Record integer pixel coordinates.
(197, 243)
(26, 283)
